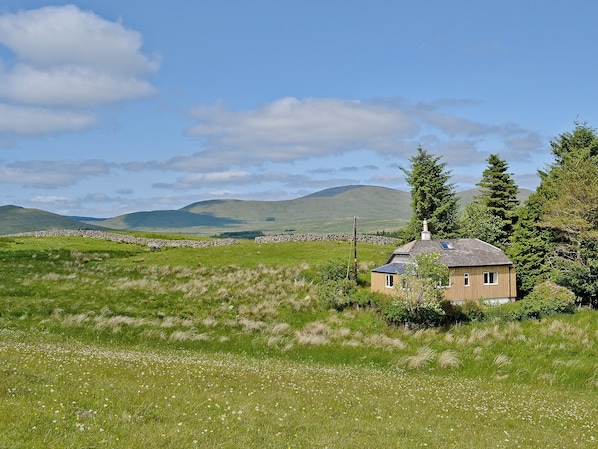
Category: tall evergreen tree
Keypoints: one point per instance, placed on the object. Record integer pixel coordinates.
(557, 235)
(531, 244)
(498, 193)
(432, 196)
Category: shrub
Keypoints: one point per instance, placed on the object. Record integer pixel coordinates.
(454, 312)
(511, 311)
(403, 311)
(337, 294)
(546, 299)
(472, 310)
(365, 298)
(331, 270)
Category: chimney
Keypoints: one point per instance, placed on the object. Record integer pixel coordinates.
(426, 235)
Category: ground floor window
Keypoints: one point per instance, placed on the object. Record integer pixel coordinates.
(490, 277)
(390, 280)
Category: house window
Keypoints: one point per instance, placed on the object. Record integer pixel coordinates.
(490, 278)
(466, 279)
(390, 281)
(446, 245)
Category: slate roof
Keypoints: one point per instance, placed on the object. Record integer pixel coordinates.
(454, 252)
(392, 268)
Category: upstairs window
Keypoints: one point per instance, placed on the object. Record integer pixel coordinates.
(490, 278)
(446, 245)
(466, 279)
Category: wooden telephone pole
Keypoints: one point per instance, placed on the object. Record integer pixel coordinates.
(355, 249)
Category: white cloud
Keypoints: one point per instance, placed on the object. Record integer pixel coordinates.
(67, 60)
(51, 174)
(70, 86)
(34, 120)
(66, 35)
(51, 199)
(289, 129)
(331, 138)
(196, 180)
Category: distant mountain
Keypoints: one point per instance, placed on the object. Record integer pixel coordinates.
(333, 191)
(167, 219)
(15, 219)
(327, 211)
(330, 210)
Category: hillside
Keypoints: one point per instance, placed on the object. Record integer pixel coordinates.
(327, 211)
(330, 210)
(14, 219)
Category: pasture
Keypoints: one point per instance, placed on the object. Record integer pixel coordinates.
(105, 344)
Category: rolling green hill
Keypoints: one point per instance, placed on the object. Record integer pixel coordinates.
(14, 219)
(331, 210)
(327, 211)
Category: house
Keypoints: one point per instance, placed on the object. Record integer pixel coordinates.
(477, 270)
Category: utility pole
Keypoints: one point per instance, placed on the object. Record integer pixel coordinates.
(355, 249)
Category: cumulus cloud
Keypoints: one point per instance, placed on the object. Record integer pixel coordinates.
(72, 86)
(289, 128)
(51, 174)
(67, 60)
(66, 35)
(29, 120)
(258, 146)
(51, 199)
(196, 180)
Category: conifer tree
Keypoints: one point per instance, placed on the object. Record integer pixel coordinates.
(432, 196)
(498, 194)
(557, 235)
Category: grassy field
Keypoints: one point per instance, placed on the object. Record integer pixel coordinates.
(104, 344)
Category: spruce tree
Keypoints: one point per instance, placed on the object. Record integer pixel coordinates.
(432, 196)
(498, 194)
(557, 235)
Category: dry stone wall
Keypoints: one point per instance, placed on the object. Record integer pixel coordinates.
(280, 238)
(124, 238)
(160, 243)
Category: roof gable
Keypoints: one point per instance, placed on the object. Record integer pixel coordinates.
(453, 252)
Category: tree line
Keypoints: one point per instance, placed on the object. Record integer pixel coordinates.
(553, 236)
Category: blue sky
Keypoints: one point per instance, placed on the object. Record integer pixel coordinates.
(110, 107)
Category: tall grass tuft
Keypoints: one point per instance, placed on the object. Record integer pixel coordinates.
(315, 333)
(425, 355)
(448, 359)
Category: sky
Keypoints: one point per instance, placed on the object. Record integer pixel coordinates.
(109, 107)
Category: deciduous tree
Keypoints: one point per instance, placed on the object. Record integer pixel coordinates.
(476, 221)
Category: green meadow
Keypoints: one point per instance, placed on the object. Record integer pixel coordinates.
(106, 344)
